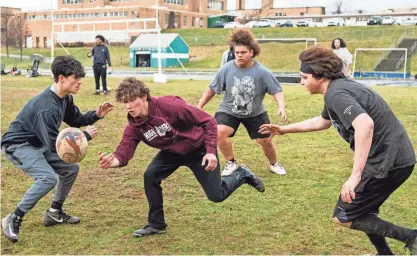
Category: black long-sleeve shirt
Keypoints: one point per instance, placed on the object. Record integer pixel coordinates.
(101, 54)
(39, 120)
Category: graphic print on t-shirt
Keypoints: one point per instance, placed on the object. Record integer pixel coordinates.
(243, 92)
(346, 134)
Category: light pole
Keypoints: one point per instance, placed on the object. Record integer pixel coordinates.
(159, 77)
(52, 33)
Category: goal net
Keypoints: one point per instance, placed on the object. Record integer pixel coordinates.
(380, 62)
(280, 52)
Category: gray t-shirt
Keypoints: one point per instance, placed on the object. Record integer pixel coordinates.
(244, 89)
(391, 148)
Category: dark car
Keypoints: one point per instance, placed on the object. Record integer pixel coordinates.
(375, 20)
(219, 24)
(288, 23)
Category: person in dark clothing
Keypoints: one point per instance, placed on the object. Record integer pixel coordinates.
(101, 59)
(186, 136)
(384, 157)
(29, 144)
(229, 54)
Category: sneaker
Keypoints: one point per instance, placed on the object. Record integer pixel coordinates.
(59, 217)
(97, 92)
(230, 167)
(106, 92)
(148, 231)
(11, 225)
(413, 246)
(278, 169)
(252, 179)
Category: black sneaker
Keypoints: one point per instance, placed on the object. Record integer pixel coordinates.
(148, 231)
(59, 217)
(252, 179)
(11, 225)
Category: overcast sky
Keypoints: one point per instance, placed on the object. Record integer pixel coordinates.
(351, 5)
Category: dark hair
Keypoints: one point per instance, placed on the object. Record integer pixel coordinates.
(66, 66)
(324, 62)
(100, 37)
(342, 43)
(245, 37)
(130, 89)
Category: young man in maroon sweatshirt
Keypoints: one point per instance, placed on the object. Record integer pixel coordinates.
(186, 136)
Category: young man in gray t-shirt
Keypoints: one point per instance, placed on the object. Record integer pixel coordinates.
(244, 83)
(384, 157)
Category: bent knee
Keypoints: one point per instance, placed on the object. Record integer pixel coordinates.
(264, 141)
(345, 224)
(224, 131)
(48, 180)
(215, 198)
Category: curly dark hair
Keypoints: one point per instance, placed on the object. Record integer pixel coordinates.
(101, 38)
(130, 89)
(324, 62)
(246, 38)
(342, 43)
(66, 66)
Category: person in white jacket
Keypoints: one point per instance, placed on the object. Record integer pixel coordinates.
(339, 47)
(228, 55)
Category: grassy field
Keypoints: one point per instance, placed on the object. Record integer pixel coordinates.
(276, 56)
(293, 216)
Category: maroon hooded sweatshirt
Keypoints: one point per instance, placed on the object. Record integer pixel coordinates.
(172, 125)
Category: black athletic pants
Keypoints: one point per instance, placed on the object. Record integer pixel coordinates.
(165, 163)
(100, 70)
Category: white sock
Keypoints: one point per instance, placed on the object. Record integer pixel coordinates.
(53, 210)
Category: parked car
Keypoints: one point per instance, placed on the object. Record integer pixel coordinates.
(262, 23)
(302, 23)
(388, 20)
(407, 21)
(234, 25)
(336, 22)
(287, 23)
(219, 24)
(375, 20)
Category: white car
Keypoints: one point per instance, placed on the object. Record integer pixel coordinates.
(260, 24)
(336, 22)
(302, 23)
(388, 20)
(234, 25)
(407, 21)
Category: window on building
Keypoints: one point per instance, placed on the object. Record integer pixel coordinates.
(72, 1)
(193, 21)
(166, 18)
(96, 14)
(105, 14)
(177, 20)
(126, 14)
(92, 1)
(180, 2)
(184, 21)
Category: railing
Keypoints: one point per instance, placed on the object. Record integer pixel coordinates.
(393, 45)
(410, 52)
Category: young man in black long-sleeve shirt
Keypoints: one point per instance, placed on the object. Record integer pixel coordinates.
(29, 144)
(101, 59)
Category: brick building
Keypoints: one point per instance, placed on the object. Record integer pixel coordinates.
(175, 14)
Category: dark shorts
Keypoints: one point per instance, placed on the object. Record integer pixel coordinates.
(370, 194)
(251, 124)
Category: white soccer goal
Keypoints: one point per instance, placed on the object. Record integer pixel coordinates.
(288, 40)
(386, 64)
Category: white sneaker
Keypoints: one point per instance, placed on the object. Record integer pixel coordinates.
(229, 168)
(278, 169)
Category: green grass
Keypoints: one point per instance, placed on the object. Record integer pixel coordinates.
(293, 216)
(206, 52)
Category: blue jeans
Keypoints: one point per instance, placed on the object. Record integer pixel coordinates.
(46, 168)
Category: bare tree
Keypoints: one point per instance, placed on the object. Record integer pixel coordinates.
(339, 4)
(19, 32)
(6, 19)
(262, 12)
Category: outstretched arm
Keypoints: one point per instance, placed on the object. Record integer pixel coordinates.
(314, 124)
